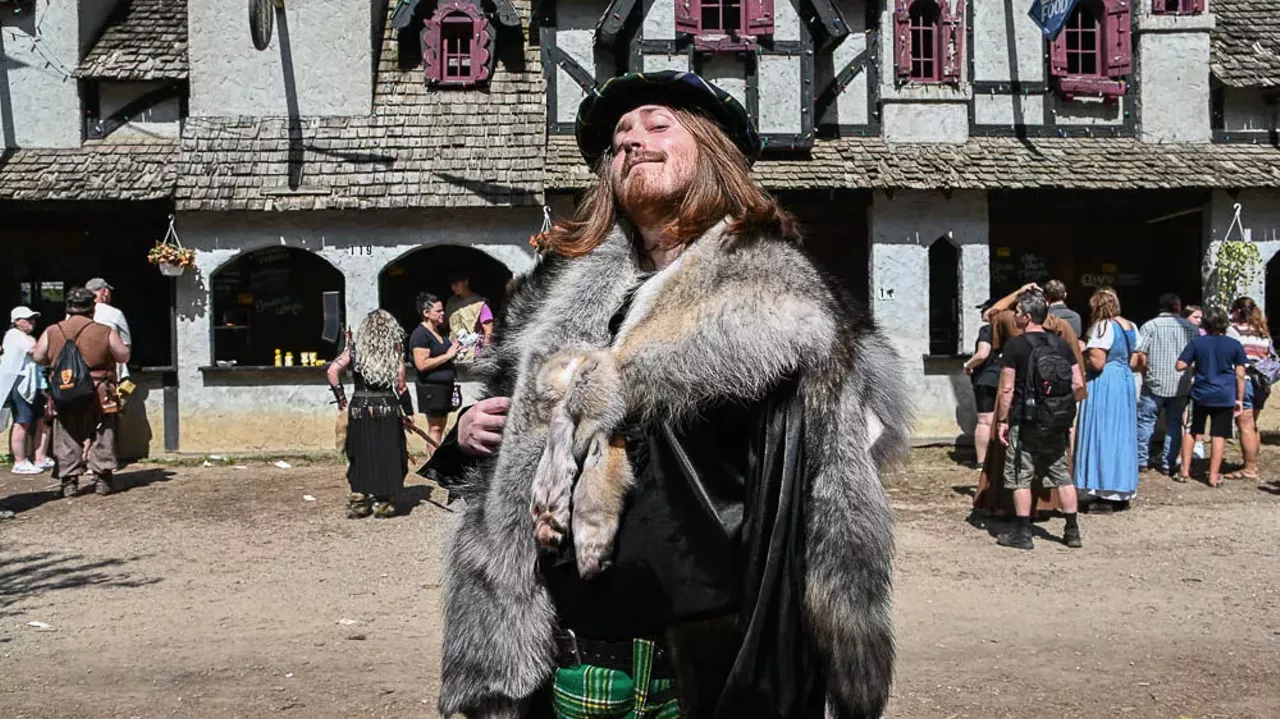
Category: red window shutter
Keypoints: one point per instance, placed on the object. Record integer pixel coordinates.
(1118, 39)
(758, 16)
(688, 16)
(1058, 55)
(952, 40)
(481, 49)
(902, 39)
(431, 46)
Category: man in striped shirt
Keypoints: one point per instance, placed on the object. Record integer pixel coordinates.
(1162, 340)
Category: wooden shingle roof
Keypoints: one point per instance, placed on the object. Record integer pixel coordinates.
(1246, 43)
(143, 40)
(98, 170)
(990, 163)
(421, 147)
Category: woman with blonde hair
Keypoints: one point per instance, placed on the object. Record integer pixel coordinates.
(377, 460)
(1249, 327)
(1106, 458)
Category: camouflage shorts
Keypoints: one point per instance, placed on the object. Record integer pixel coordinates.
(1036, 453)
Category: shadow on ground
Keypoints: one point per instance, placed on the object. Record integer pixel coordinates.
(40, 573)
(416, 494)
(124, 481)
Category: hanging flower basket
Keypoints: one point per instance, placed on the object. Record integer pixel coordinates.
(170, 256)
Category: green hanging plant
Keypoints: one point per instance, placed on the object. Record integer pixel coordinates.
(1237, 267)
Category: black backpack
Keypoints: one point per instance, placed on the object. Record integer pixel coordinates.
(1048, 400)
(69, 380)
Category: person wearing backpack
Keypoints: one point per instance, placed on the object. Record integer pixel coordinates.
(82, 356)
(1035, 409)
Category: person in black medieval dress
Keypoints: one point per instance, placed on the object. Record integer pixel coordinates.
(377, 458)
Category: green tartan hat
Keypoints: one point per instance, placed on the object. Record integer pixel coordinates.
(601, 109)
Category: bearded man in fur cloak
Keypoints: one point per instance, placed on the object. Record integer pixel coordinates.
(673, 497)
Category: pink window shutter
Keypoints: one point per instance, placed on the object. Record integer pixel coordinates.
(952, 41)
(1058, 55)
(902, 39)
(688, 16)
(1193, 7)
(1118, 43)
(431, 48)
(481, 42)
(759, 16)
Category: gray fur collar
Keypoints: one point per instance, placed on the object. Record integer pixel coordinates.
(724, 322)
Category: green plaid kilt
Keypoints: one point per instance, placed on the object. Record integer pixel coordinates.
(590, 692)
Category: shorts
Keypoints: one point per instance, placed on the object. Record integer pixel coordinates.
(1254, 399)
(1219, 419)
(25, 412)
(1036, 452)
(984, 398)
(435, 400)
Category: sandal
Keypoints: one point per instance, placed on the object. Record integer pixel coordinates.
(1180, 478)
(1242, 475)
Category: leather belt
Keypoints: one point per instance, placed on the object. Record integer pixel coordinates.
(572, 651)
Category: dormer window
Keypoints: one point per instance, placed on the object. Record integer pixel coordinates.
(725, 25)
(929, 40)
(456, 44)
(1177, 7)
(1093, 54)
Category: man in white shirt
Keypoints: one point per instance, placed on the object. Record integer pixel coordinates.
(105, 314)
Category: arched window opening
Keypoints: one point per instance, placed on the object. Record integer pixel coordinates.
(1083, 33)
(431, 269)
(944, 298)
(926, 50)
(275, 298)
(457, 45)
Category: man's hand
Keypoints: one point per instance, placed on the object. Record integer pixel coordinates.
(1239, 409)
(480, 428)
(1029, 286)
(1003, 433)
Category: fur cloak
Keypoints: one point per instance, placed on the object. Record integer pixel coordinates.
(732, 319)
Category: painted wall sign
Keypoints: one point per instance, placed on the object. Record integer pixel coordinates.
(1051, 15)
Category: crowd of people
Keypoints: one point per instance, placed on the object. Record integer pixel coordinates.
(1077, 408)
(65, 388)
(372, 423)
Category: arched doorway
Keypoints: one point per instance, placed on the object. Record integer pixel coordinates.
(274, 299)
(430, 269)
(944, 297)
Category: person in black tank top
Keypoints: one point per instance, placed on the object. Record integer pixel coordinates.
(432, 355)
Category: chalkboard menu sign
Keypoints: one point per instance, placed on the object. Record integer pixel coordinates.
(272, 299)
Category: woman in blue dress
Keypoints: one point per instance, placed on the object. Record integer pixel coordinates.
(1106, 459)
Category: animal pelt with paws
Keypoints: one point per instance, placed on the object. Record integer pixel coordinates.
(730, 320)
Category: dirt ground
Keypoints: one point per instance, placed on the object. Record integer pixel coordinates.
(225, 592)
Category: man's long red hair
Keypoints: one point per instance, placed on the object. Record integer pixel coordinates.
(722, 187)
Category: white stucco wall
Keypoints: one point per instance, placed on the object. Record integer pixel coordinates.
(902, 229)
(1260, 215)
(851, 105)
(780, 94)
(332, 60)
(1001, 109)
(39, 102)
(942, 122)
(729, 73)
(658, 62)
(993, 57)
(1173, 80)
(1090, 111)
(786, 21)
(659, 20)
(263, 411)
(1250, 109)
(162, 120)
(576, 35)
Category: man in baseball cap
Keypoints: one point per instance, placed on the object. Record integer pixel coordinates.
(104, 313)
(685, 381)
